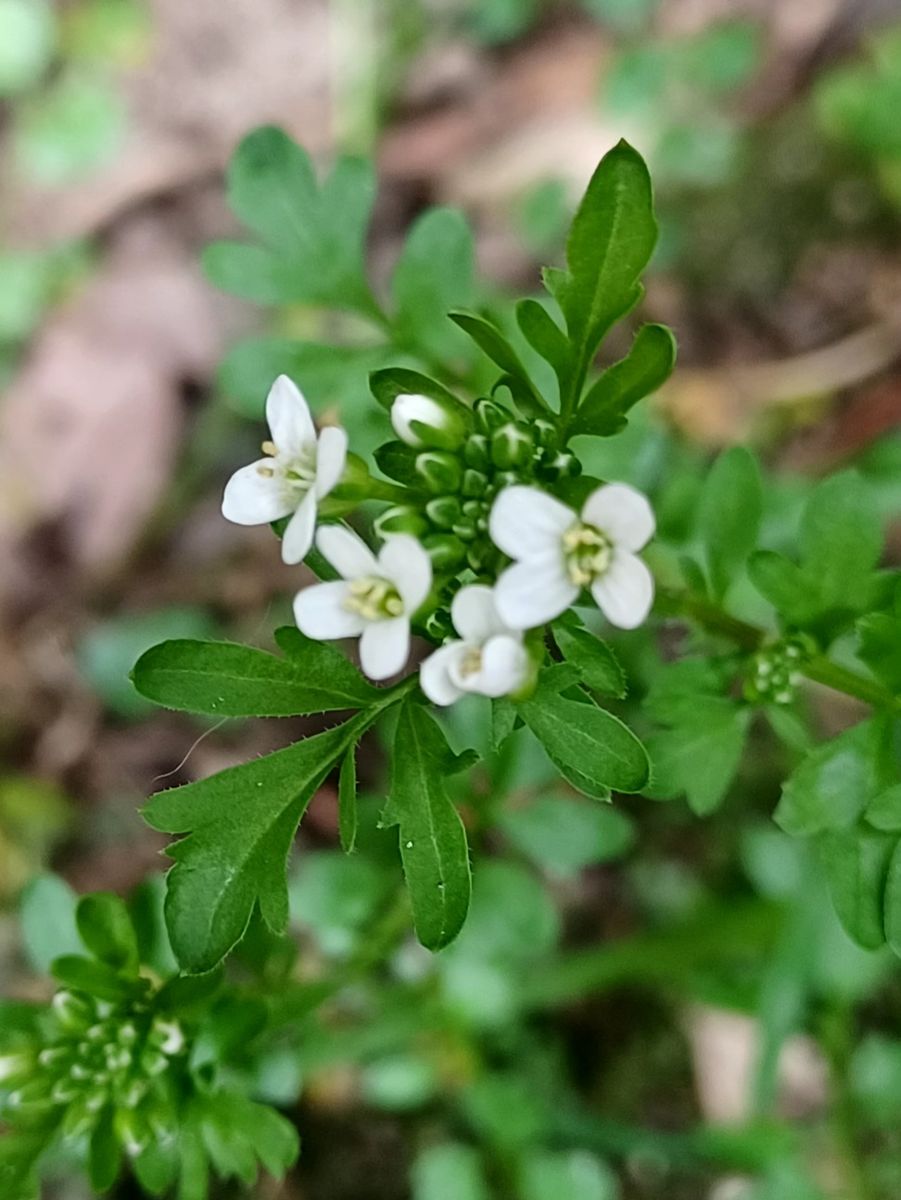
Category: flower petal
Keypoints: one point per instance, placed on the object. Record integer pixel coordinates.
(405, 562)
(288, 417)
(474, 614)
(625, 592)
(346, 551)
(298, 536)
(251, 498)
(621, 512)
(530, 594)
(524, 522)
(385, 647)
(320, 613)
(434, 675)
(331, 455)
(505, 666)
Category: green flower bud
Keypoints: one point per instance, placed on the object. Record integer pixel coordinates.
(474, 483)
(73, 1011)
(545, 432)
(465, 529)
(423, 421)
(477, 451)
(446, 551)
(17, 1067)
(559, 465)
(474, 508)
(78, 1120)
(131, 1130)
(490, 415)
(439, 625)
(511, 446)
(441, 472)
(400, 518)
(506, 479)
(443, 511)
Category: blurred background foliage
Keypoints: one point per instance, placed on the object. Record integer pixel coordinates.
(644, 1004)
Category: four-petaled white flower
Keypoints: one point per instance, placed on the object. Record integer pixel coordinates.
(489, 658)
(298, 470)
(374, 600)
(557, 553)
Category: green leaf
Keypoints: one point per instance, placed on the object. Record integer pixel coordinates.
(397, 461)
(433, 275)
(835, 782)
(893, 902)
(227, 680)
(879, 645)
(433, 844)
(390, 382)
(447, 1170)
(642, 372)
(564, 835)
(856, 864)
(575, 1174)
(609, 245)
(730, 513)
(313, 235)
(841, 537)
(347, 802)
(790, 591)
(47, 921)
(240, 825)
(593, 659)
(492, 342)
(88, 975)
(156, 1167)
(106, 930)
(701, 754)
(545, 337)
(104, 1153)
(884, 810)
(503, 721)
(586, 742)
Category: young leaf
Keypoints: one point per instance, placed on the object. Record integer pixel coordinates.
(490, 340)
(545, 337)
(312, 235)
(856, 864)
(390, 382)
(239, 827)
(700, 755)
(433, 275)
(347, 802)
(642, 372)
(106, 930)
(89, 975)
(397, 461)
(227, 680)
(586, 742)
(592, 658)
(893, 901)
(879, 645)
(730, 512)
(47, 920)
(433, 844)
(609, 245)
(841, 537)
(104, 1153)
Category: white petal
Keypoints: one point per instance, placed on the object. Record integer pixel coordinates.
(625, 592)
(254, 499)
(385, 647)
(409, 407)
(403, 560)
(530, 594)
(505, 666)
(331, 455)
(288, 417)
(346, 551)
(298, 536)
(621, 512)
(434, 674)
(525, 521)
(320, 613)
(475, 614)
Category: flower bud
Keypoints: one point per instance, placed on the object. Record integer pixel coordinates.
(465, 529)
(424, 421)
(446, 551)
(15, 1068)
(441, 472)
(545, 432)
(511, 446)
(444, 511)
(477, 451)
(559, 465)
(73, 1011)
(474, 483)
(400, 518)
(490, 415)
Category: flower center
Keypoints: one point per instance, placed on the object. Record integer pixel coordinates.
(299, 473)
(373, 598)
(470, 662)
(586, 552)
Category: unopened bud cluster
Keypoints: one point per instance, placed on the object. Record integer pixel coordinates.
(775, 670)
(465, 459)
(96, 1059)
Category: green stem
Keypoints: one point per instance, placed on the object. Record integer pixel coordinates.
(840, 679)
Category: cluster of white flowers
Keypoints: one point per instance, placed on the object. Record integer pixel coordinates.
(556, 553)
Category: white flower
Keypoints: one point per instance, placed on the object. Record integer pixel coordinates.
(557, 553)
(374, 600)
(490, 658)
(298, 470)
(423, 421)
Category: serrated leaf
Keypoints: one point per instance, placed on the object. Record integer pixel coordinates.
(609, 245)
(836, 781)
(239, 827)
(433, 275)
(224, 679)
(730, 512)
(432, 839)
(106, 930)
(642, 372)
(700, 755)
(347, 802)
(856, 864)
(593, 659)
(591, 744)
